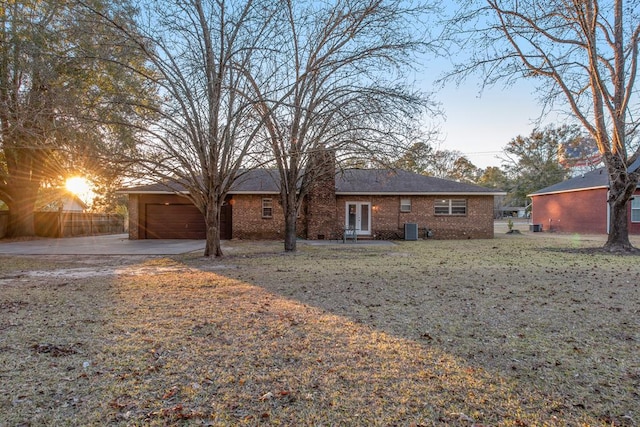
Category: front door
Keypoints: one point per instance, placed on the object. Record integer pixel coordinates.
(358, 217)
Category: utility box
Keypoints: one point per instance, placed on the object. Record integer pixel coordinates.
(410, 231)
(535, 227)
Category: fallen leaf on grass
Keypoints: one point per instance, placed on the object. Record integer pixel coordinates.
(463, 417)
(266, 396)
(178, 412)
(54, 350)
(170, 393)
(123, 402)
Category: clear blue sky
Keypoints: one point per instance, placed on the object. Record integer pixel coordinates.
(480, 125)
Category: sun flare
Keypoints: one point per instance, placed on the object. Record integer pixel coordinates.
(78, 185)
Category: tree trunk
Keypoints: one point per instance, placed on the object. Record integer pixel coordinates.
(21, 206)
(622, 187)
(212, 224)
(290, 221)
(618, 240)
(290, 238)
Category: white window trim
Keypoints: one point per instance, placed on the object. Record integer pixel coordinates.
(405, 205)
(267, 203)
(635, 206)
(450, 208)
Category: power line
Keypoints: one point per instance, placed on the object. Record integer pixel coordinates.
(476, 153)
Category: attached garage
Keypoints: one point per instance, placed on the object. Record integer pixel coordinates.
(174, 221)
(169, 216)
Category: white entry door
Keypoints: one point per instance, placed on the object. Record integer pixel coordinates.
(358, 217)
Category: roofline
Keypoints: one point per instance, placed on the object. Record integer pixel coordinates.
(573, 190)
(232, 192)
(418, 193)
(186, 192)
(338, 193)
(151, 192)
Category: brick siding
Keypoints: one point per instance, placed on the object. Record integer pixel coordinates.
(323, 216)
(320, 214)
(249, 224)
(572, 212)
(387, 222)
(134, 217)
(576, 212)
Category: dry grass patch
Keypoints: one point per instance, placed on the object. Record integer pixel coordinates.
(496, 332)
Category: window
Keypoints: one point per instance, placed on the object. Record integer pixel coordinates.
(405, 205)
(451, 207)
(635, 209)
(267, 208)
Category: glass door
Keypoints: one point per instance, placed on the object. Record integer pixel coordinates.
(358, 217)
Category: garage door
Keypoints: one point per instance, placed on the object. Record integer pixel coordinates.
(174, 222)
(182, 221)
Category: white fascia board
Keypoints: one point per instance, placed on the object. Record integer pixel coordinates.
(252, 192)
(574, 190)
(152, 192)
(186, 192)
(355, 193)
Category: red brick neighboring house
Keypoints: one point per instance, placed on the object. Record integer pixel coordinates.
(375, 204)
(579, 205)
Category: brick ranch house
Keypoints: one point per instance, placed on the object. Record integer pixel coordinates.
(579, 205)
(373, 203)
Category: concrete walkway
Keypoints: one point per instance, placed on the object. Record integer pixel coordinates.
(113, 244)
(119, 244)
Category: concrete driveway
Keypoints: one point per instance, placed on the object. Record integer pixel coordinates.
(114, 244)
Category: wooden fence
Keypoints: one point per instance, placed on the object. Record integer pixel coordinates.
(4, 223)
(69, 224)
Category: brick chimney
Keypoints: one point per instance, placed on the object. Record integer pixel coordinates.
(321, 199)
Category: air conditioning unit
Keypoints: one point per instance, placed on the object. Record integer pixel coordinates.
(410, 231)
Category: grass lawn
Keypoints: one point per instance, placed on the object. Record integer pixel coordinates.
(521, 330)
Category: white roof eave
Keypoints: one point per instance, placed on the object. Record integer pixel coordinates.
(340, 193)
(573, 190)
(418, 193)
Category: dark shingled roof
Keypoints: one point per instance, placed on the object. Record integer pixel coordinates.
(257, 181)
(158, 187)
(384, 181)
(594, 179)
(350, 181)
(254, 181)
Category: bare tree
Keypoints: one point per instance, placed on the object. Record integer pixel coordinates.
(203, 52)
(336, 85)
(446, 164)
(584, 53)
